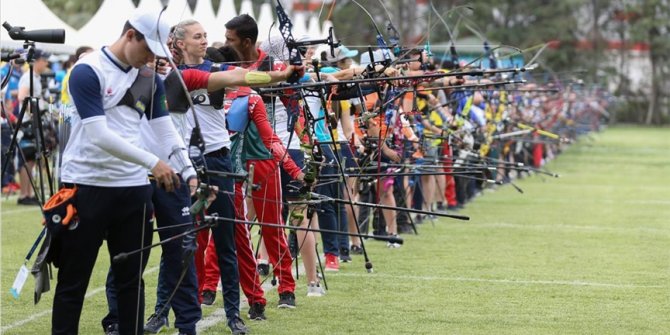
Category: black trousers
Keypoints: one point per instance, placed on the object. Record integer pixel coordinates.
(224, 233)
(169, 211)
(123, 216)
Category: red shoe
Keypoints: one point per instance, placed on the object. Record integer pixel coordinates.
(332, 263)
(11, 188)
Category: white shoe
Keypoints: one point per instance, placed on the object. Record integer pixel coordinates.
(315, 290)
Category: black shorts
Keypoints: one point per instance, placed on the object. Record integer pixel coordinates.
(347, 156)
(29, 149)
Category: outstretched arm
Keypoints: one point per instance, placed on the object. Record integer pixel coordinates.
(214, 81)
(243, 77)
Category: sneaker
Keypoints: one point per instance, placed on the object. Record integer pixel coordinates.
(30, 201)
(286, 300)
(315, 290)
(332, 264)
(155, 324)
(257, 311)
(112, 329)
(441, 209)
(208, 297)
(356, 249)
(237, 326)
(263, 267)
(13, 187)
(418, 219)
(344, 255)
(391, 245)
(405, 229)
(10, 188)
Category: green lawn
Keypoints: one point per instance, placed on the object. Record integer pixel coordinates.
(588, 253)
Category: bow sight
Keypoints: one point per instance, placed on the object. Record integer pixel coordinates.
(294, 47)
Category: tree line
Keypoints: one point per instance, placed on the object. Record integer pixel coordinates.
(580, 33)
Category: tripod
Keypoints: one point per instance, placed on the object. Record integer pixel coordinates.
(30, 104)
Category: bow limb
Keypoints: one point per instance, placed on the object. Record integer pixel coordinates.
(380, 38)
(285, 29)
(394, 36)
(452, 48)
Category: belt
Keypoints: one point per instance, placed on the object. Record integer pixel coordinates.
(218, 153)
(152, 178)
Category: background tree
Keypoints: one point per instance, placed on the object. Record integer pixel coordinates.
(653, 27)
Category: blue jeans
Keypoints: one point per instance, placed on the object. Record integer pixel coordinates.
(170, 212)
(347, 157)
(332, 216)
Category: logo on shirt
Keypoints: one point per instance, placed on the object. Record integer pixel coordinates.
(139, 105)
(109, 91)
(185, 211)
(163, 101)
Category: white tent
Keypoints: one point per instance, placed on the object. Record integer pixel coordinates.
(299, 24)
(265, 19)
(313, 28)
(151, 6)
(204, 13)
(177, 11)
(106, 25)
(326, 26)
(247, 8)
(226, 12)
(34, 14)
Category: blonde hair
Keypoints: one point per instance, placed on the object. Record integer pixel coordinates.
(179, 32)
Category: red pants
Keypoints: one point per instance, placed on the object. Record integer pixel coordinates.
(206, 263)
(538, 152)
(450, 190)
(268, 207)
(246, 261)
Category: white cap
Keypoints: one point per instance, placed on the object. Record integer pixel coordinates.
(377, 54)
(155, 33)
(341, 53)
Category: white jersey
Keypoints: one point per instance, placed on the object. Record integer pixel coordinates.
(87, 164)
(212, 124)
(280, 125)
(37, 90)
(212, 121)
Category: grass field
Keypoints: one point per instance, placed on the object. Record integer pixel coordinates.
(588, 253)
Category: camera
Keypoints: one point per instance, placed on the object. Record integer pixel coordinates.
(39, 35)
(45, 78)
